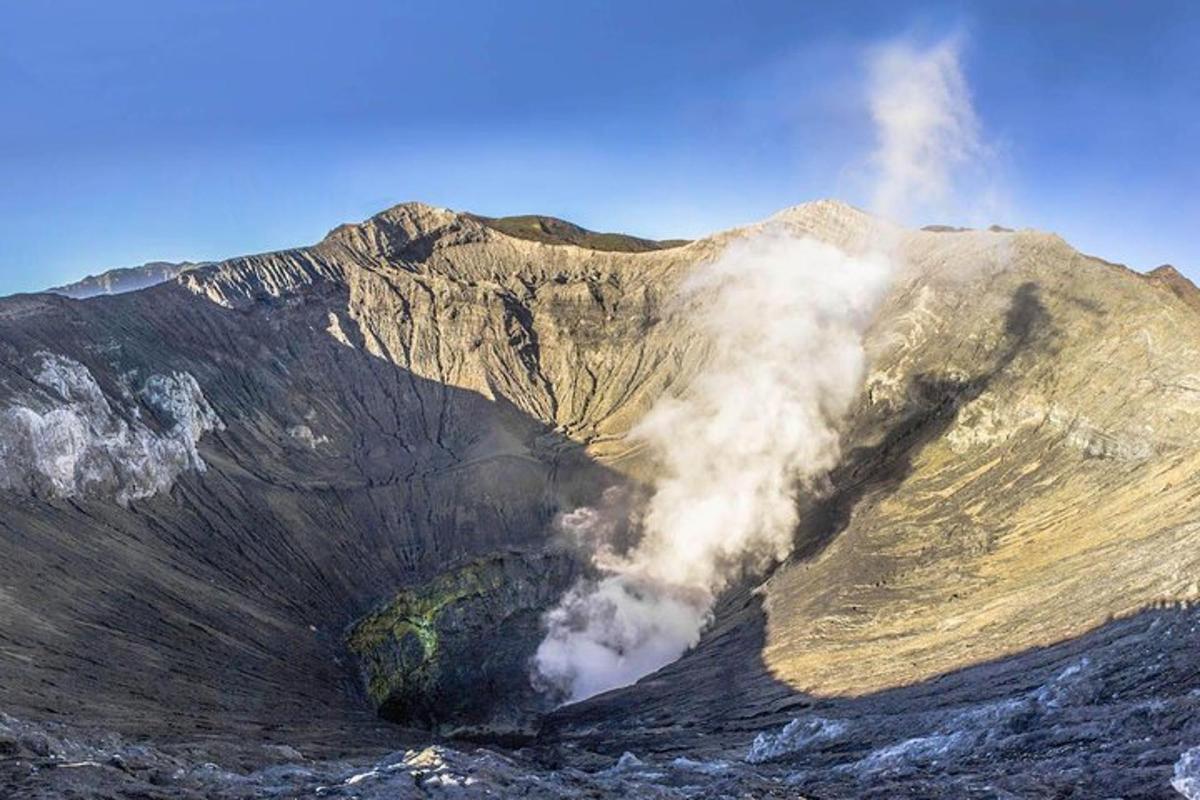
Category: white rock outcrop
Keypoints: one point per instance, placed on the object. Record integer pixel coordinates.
(1187, 774)
(66, 439)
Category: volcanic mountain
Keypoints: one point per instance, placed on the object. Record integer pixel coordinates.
(279, 516)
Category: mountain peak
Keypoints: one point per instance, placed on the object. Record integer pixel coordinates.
(824, 209)
(1177, 283)
(409, 220)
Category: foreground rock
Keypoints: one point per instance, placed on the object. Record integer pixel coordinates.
(1111, 716)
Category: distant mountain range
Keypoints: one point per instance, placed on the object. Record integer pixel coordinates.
(124, 279)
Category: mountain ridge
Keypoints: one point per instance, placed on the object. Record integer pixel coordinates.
(535, 228)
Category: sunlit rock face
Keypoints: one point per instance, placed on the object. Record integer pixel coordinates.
(1025, 422)
(70, 440)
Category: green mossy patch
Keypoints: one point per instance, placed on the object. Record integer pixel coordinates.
(413, 613)
(455, 649)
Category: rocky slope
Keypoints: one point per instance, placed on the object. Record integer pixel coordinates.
(206, 484)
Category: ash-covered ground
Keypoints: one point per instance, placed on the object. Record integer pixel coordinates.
(1116, 714)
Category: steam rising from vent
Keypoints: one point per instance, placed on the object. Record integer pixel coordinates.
(782, 319)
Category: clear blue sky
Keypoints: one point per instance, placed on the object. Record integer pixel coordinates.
(135, 130)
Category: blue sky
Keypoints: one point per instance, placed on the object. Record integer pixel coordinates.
(174, 130)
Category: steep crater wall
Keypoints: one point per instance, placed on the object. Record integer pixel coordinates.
(422, 391)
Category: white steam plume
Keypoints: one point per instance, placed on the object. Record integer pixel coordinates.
(927, 132)
(783, 319)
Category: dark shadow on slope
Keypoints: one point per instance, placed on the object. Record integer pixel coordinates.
(550, 230)
(218, 611)
(1106, 714)
(932, 406)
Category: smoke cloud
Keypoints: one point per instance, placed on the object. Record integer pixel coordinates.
(783, 319)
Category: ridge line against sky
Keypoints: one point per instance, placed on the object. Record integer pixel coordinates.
(146, 131)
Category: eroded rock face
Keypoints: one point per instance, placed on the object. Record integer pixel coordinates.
(453, 654)
(984, 517)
